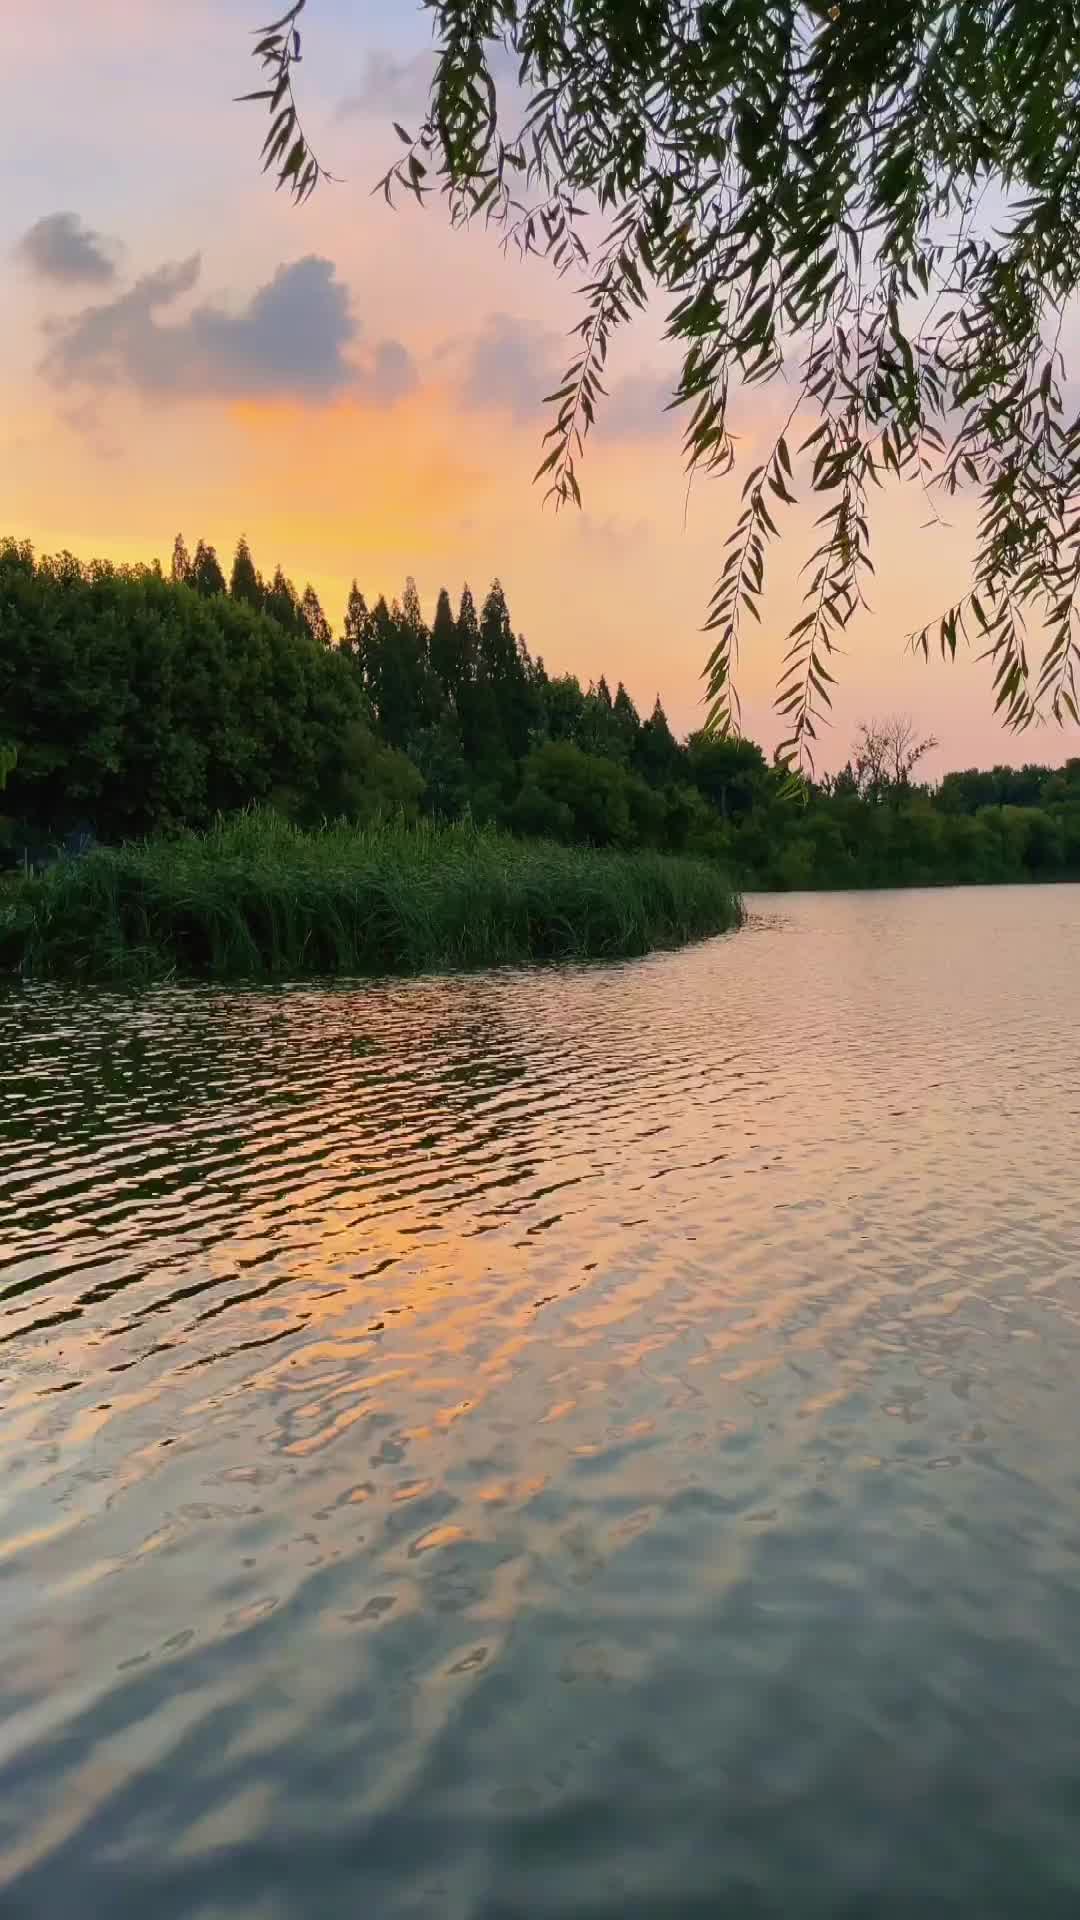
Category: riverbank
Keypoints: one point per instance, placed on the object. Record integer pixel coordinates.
(255, 898)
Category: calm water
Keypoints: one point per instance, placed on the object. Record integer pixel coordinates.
(574, 1444)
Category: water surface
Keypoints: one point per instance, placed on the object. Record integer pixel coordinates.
(551, 1446)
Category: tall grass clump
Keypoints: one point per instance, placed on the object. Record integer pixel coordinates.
(256, 898)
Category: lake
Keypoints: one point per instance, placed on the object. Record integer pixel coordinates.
(582, 1443)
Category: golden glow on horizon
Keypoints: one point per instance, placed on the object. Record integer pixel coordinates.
(426, 485)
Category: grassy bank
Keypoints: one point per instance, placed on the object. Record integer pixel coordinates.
(256, 899)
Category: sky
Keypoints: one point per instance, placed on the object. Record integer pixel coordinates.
(359, 389)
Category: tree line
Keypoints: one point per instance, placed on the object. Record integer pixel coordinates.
(136, 702)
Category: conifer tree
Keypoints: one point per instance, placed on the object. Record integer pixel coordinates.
(390, 674)
(443, 646)
(206, 575)
(412, 618)
(498, 648)
(180, 571)
(415, 641)
(507, 669)
(282, 602)
(244, 582)
(657, 754)
(627, 723)
(564, 707)
(314, 618)
(599, 732)
(356, 619)
(467, 637)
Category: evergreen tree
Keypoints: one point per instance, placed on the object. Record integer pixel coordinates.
(415, 643)
(356, 620)
(600, 732)
(391, 674)
(244, 582)
(507, 704)
(282, 603)
(627, 722)
(206, 576)
(564, 707)
(482, 697)
(657, 754)
(180, 570)
(443, 651)
(467, 638)
(314, 618)
(412, 620)
(473, 696)
(370, 632)
(498, 648)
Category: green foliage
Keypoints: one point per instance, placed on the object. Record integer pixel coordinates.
(874, 207)
(141, 704)
(314, 619)
(656, 753)
(286, 151)
(443, 646)
(598, 802)
(244, 582)
(205, 575)
(437, 752)
(281, 603)
(257, 898)
(730, 771)
(180, 571)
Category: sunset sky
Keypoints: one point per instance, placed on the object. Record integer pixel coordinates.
(359, 390)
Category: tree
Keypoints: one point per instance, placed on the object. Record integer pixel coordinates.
(376, 782)
(356, 619)
(593, 789)
(414, 641)
(282, 603)
(443, 645)
(505, 677)
(657, 754)
(886, 754)
(627, 722)
(314, 618)
(436, 751)
(730, 772)
(143, 706)
(244, 582)
(180, 570)
(413, 622)
(880, 202)
(206, 576)
(392, 674)
(600, 730)
(564, 707)
(467, 637)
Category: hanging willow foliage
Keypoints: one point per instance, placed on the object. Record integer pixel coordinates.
(878, 204)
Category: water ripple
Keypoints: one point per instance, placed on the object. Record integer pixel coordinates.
(574, 1443)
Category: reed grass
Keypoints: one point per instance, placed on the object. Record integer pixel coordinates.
(256, 898)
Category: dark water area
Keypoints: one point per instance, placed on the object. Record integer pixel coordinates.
(543, 1446)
